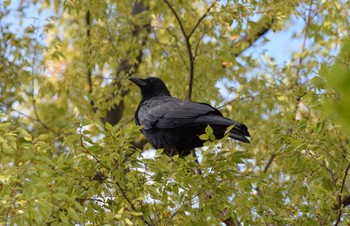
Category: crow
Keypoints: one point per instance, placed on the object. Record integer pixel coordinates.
(175, 125)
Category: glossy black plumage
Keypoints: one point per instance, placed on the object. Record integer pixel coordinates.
(175, 124)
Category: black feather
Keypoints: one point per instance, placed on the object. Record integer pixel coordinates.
(175, 124)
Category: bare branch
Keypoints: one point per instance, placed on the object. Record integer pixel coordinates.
(88, 34)
(85, 150)
(306, 32)
(127, 67)
(344, 178)
(177, 18)
(189, 50)
(340, 201)
(304, 40)
(197, 45)
(40, 121)
(187, 37)
(342, 146)
(268, 164)
(130, 203)
(31, 118)
(202, 18)
(252, 36)
(177, 46)
(32, 94)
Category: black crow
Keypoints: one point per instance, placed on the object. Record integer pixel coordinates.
(175, 124)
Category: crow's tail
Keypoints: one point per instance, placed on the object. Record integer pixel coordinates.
(240, 132)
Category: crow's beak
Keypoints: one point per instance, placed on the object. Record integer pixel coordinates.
(139, 82)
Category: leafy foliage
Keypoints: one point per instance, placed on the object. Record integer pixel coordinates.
(71, 154)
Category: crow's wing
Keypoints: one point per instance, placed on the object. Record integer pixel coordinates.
(166, 112)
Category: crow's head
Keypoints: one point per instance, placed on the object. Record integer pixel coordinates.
(150, 87)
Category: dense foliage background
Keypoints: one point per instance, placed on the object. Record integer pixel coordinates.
(71, 154)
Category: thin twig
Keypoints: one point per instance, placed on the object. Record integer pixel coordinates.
(117, 183)
(88, 152)
(316, 159)
(88, 34)
(305, 36)
(197, 45)
(177, 18)
(340, 204)
(33, 97)
(189, 50)
(202, 18)
(130, 203)
(268, 164)
(187, 37)
(177, 46)
(342, 147)
(344, 178)
(175, 212)
(253, 36)
(39, 120)
(126, 197)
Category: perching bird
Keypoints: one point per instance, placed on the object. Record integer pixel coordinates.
(175, 124)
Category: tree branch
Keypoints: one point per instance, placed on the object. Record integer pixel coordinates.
(268, 164)
(89, 55)
(177, 18)
(88, 34)
(40, 121)
(304, 39)
(9, 108)
(201, 19)
(191, 58)
(32, 94)
(187, 37)
(340, 201)
(189, 50)
(306, 31)
(85, 150)
(265, 24)
(114, 115)
(131, 204)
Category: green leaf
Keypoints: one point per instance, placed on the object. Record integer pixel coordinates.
(208, 130)
(319, 82)
(109, 127)
(204, 137)
(228, 129)
(320, 127)
(175, 157)
(43, 137)
(24, 133)
(128, 222)
(78, 206)
(72, 213)
(136, 214)
(47, 160)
